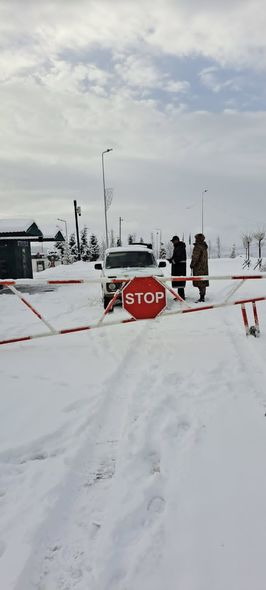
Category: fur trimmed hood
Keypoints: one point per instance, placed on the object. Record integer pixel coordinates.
(200, 239)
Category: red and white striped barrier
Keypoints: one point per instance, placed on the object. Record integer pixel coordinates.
(37, 313)
(241, 302)
(185, 307)
(20, 282)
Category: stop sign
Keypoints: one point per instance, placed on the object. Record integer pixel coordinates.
(144, 298)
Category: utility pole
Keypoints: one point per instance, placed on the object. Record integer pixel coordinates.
(77, 211)
(120, 231)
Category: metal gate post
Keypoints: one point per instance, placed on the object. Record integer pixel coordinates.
(256, 318)
(245, 318)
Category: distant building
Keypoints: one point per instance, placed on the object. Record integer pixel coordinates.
(16, 236)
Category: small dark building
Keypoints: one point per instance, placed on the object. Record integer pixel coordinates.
(15, 247)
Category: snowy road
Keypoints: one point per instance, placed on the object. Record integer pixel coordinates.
(132, 457)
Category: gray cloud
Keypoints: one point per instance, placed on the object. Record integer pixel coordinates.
(61, 107)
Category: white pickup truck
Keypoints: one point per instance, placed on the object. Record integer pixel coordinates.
(127, 261)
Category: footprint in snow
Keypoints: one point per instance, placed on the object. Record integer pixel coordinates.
(156, 505)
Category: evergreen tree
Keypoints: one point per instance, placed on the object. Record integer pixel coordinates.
(73, 248)
(84, 246)
(94, 248)
(162, 253)
(130, 239)
(102, 248)
(59, 246)
(64, 252)
(141, 240)
(67, 258)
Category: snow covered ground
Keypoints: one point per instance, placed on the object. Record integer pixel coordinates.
(133, 456)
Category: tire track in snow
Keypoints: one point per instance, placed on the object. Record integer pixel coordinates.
(73, 537)
(66, 540)
(163, 426)
(249, 352)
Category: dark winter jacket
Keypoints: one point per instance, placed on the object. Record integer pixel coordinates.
(179, 266)
(199, 260)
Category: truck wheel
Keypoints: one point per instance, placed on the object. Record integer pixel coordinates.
(106, 301)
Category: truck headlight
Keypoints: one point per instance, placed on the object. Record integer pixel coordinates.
(111, 287)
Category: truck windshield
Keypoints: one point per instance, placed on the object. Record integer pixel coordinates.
(130, 259)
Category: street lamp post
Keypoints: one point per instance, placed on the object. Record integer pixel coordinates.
(64, 221)
(202, 208)
(104, 197)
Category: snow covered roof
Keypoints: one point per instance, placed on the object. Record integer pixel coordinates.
(10, 226)
(52, 232)
(128, 248)
(28, 228)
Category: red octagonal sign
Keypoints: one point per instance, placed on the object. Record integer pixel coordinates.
(144, 298)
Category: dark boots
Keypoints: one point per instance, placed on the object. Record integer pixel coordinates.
(181, 292)
(202, 292)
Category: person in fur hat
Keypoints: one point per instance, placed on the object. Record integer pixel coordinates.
(199, 264)
(178, 261)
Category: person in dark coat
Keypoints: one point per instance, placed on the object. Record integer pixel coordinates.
(179, 264)
(199, 264)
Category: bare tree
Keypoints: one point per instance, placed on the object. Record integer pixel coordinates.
(246, 240)
(259, 236)
(162, 253)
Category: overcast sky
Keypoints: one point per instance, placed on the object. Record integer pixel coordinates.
(175, 87)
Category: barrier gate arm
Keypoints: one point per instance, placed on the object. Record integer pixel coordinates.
(52, 331)
(28, 304)
(18, 282)
(130, 320)
(176, 295)
(234, 289)
(111, 303)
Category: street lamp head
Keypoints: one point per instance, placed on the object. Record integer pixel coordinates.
(108, 150)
